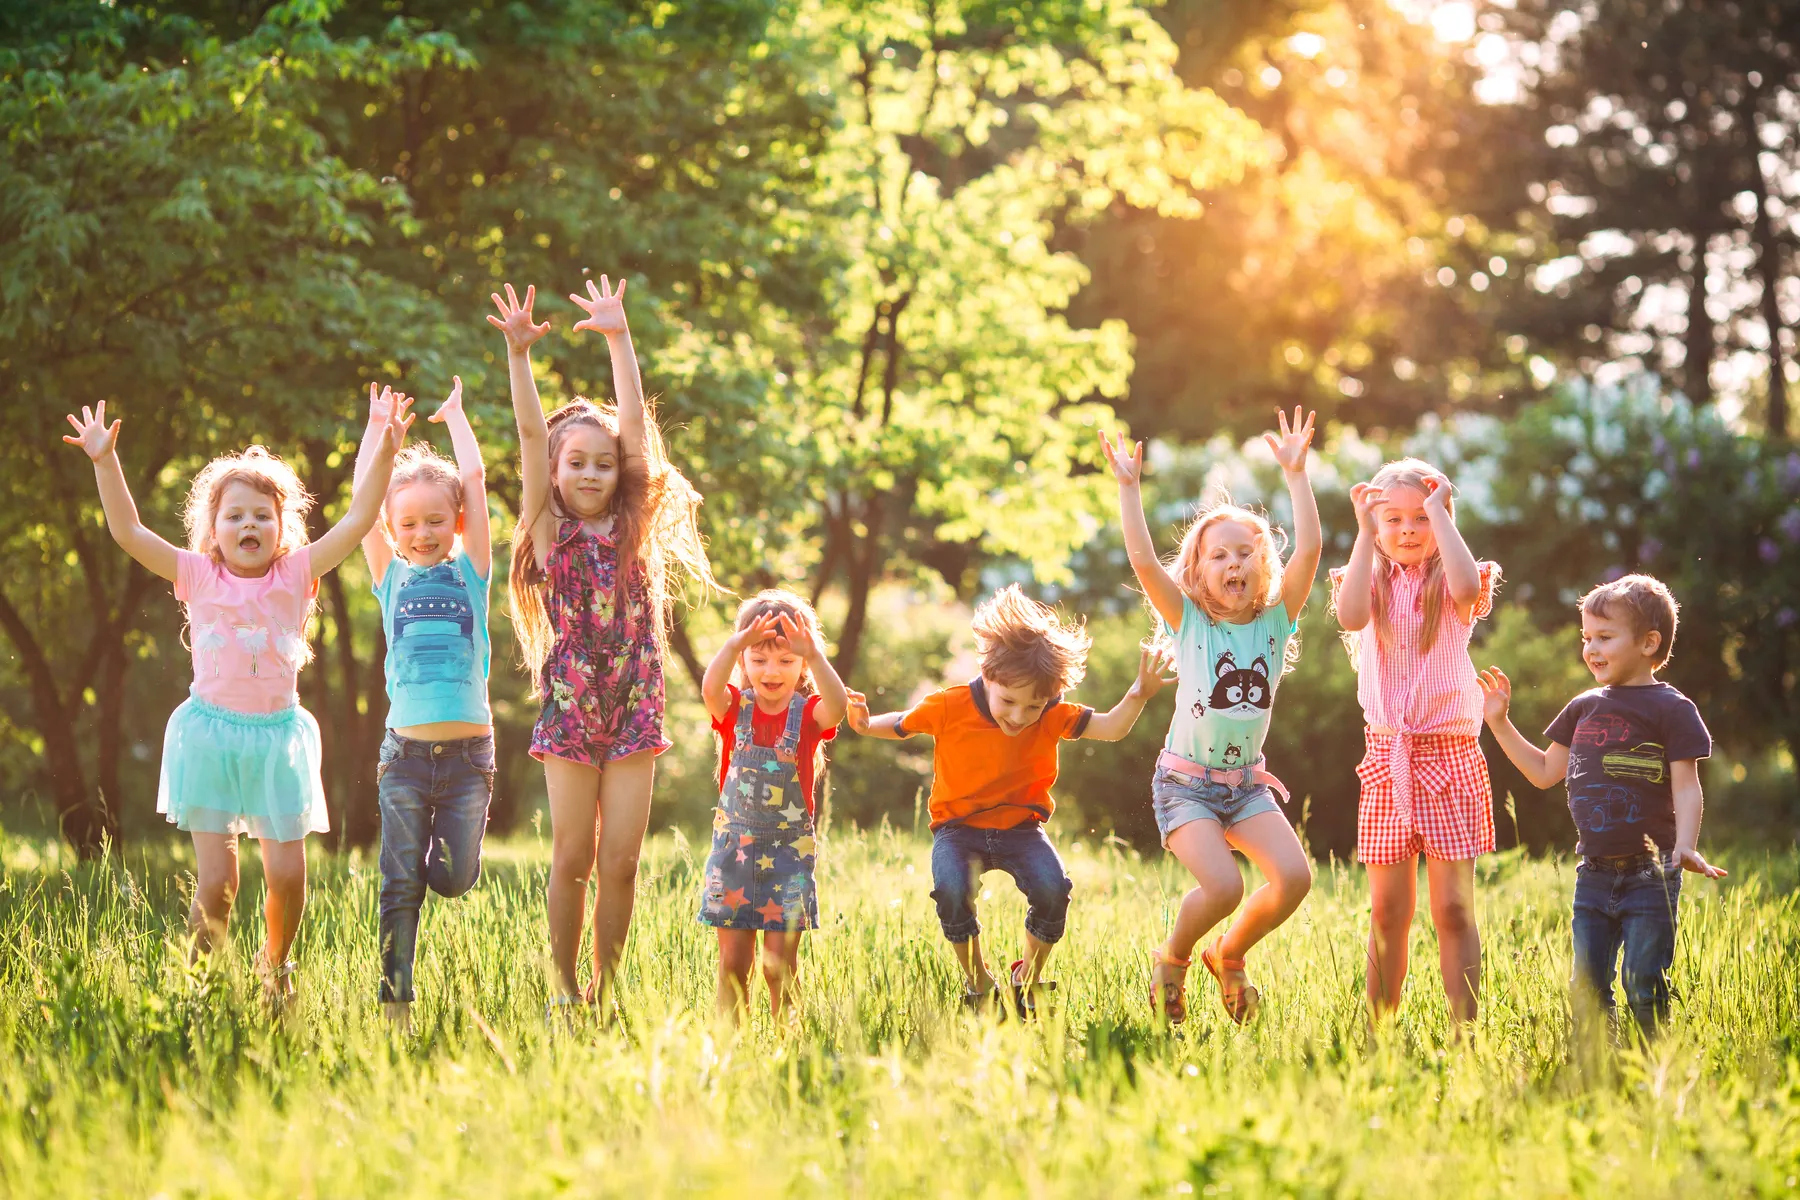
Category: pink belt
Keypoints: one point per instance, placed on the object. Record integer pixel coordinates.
(1236, 777)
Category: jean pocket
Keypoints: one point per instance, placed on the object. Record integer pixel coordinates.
(480, 755)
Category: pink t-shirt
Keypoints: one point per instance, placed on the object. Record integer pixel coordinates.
(1404, 691)
(248, 635)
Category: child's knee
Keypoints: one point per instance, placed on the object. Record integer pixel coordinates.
(736, 960)
(451, 879)
(1294, 881)
(1223, 892)
(572, 862)
(1392, 914)
(1453, 915)
(955, 902)
(1047, 906)
(619, 862)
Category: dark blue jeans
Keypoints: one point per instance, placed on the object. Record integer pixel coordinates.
(959, 855)
(1627, 905)
(434, 806)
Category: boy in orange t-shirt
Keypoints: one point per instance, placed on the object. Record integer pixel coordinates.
(992, 768)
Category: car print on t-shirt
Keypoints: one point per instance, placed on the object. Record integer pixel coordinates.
(434, 626)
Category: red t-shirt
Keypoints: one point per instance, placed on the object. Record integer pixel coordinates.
(765, 730)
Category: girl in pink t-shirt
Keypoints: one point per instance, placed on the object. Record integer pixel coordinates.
(1408, 601)
(240, 755)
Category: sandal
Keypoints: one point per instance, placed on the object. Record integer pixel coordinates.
(1241, 1002)
(984, 1001)
(279, 991)
(1025, 996)
(1168, 996)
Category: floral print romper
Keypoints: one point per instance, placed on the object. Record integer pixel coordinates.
(602, 684)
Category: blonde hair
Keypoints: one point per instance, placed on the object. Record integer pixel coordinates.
(785, 603)
(256, 468)
(1188, 571)
(1407, 473)
(1021, 642)
(1647, 603)
(419, 463)
(655, 523)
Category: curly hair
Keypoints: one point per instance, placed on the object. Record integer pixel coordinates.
(266, 473)
(1023, 643)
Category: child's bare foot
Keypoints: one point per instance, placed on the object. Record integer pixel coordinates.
(1241, 997)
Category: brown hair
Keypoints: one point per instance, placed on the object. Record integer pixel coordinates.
(268, 474)
(797, 610)
(419, 463)
(655, 522)
(1264, 587)
(1408, 473)
(1646, 601)
(1021, 642)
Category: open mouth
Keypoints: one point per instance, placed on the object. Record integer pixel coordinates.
(1234, 587)
(250, 543)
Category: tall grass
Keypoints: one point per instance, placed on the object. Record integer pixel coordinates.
(126, 1072)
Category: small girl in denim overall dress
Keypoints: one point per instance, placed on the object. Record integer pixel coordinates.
(759, 876)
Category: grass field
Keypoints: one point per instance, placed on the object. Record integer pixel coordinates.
(123, 1072)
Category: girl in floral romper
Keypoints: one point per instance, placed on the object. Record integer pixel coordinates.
(775, 701)
(603, 521)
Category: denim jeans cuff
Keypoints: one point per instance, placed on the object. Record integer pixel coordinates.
(1044, 931)
(962, 931)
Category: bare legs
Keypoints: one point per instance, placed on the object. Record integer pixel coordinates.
(1269, 842)
(216, 888)
(597, 818)
(1393, 893)
(780, 967)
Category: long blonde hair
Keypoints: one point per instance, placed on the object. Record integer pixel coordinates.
(1408, 473)
(1186, 568)
(268, 474)
(655, 523)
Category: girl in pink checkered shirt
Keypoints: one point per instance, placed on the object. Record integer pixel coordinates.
(1408, 602)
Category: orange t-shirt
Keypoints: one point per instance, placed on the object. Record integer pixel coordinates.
(979, 775)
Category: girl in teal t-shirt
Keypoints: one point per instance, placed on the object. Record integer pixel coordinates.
(1229, 607)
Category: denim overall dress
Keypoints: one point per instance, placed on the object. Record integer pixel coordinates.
(760, 872)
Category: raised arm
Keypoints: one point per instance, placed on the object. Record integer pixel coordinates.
(1684, 782)
(714, 685)
(384, 407)
(1461, 574)
(1353, 590)
(886, 726)
(1303, 564)
(366, 498)
(605, 308)
(100, 441)
(1165, 594)
(1541, 768)
(475, 536)
(1153, 662)
(833, 699)
(516, 323)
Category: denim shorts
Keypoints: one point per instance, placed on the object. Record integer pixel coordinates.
(1180, 798)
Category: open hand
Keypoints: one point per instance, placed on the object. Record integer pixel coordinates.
(1365, 498)
(453, 405)
(1496, 693)
(1689, 859)
(857, 714)
(1154, 664)
(766, 628)
(1290, 448)
(92, 433)
(798, 637)
(1128, 469)
(604, 305)
(515, 319)
(387, 407)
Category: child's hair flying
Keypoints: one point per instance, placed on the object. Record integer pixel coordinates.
(419, 463)
(1264, 585)
(266, 473)
(1643, 600)
(655, 519)
(1022, 643)
(795, 609)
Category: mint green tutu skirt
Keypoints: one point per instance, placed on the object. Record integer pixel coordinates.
(232, 772)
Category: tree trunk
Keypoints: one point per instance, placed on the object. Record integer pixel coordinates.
(1701, 340)
(683, 646)
(1768, 266)
(82, 821)
(862, 562)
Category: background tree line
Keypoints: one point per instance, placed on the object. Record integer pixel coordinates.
(894, 264)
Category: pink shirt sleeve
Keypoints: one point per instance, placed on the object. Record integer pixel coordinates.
(190, 570)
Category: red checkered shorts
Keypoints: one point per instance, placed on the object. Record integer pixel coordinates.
(1426, 792)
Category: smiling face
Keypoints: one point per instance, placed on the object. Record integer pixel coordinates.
(1015, 707)
(587, 470)
(1228, 554)
(1615, 652)
(1402, 529)
(424, 520)
(246, 528)
(773, 671)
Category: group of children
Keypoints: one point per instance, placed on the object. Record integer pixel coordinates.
(607, 532)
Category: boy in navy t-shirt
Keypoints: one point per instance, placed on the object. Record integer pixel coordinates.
(1629, 749)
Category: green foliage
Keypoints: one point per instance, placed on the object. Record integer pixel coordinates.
(124, 1072)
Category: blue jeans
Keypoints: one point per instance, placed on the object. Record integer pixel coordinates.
(959, 855)
(1627, 904)
(434, 805)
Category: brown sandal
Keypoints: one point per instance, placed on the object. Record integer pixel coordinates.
(1242, 1002)
(1168, 996)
